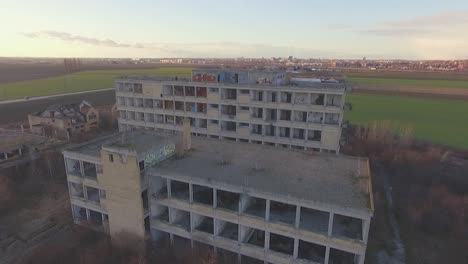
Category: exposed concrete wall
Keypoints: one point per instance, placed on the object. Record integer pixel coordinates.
(121, 179)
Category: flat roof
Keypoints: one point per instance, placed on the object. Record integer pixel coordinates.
(331, 179)
(12, 139)
(136, 142)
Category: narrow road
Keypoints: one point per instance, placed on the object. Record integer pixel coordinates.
(18, 110)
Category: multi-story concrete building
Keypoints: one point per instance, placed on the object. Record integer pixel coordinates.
(257, 107)
(256, 203)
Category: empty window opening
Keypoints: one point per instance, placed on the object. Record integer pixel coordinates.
(229, 110)
(79, 213)
(230, 94)
(270, 130)
(228, 126)
(180, 218)
(159, 119)
(226, 256)
(257, 96)
(170, 120)
(93, 194)
(298, 133)
(95, 218)
(314, 135)
(332, 119)
(160, 213)
(202, 194)
(168, 90)
(244, 92)
(158, 104)
(244, 108)
(201, 92)
(178, 90)
(347, 226)
(73, 166)
(282, 213)
(214, 90)
(285, 132)
(257, 112)
(286, 97)
(139, 102)
(244, 125)
(281, 244)
(179, 105)
(227, 200)
(182, 244)
(179, 120)
(271, 115)
(317, 99)
(138, 88)
(202, 123)
(149, 103)
(314, 220)
(311, 252)
(285, 115)
(160, 237)
(168, 105)
(315, 117)
(190, 107)
(300, 116)
(250, 260)
(254, 206)
(271, 97)
(301, 98)
(144, 198)
(342, 257)
(203, 224)
(189, 91)
(333, 100)
(256, 129)
(179, 190)
(254, 237)
(228, 230)
(76, 189)
(201, 108)
(89, 170)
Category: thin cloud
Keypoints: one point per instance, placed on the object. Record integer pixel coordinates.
(64, 36)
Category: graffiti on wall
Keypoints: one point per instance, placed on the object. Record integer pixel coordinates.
(203, 77)
(159, 154)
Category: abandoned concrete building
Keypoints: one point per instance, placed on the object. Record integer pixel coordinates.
(64, 121)
(17, 147)
(247, 106)
(256, 203)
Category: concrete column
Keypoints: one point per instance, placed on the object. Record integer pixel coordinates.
(168, 186)
(87, 214)
(296, 248)
(365, 230)
(327, 255)
(190, 192)
(330, 224)
(5, 155)
(360, 259)
(298, 216)
(85, 191)
(306, 134)
(81, 169)
(267, 240)
(215, 201)
(267, 211)
(20, 151)
(325, 99)
(323, 118)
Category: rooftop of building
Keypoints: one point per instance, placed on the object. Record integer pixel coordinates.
(242, 78)
(10, 140)
(134, 142)
(327, 179)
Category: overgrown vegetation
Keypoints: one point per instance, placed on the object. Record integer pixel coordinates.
(429, 189)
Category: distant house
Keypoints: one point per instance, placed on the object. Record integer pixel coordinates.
(64, 121)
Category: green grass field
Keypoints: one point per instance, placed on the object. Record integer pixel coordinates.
(377, 81)
(435, 120)
(77, 82)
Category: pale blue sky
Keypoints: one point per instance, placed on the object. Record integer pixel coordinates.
(209, 28)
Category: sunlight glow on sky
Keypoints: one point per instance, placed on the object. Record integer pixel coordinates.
(251, 28)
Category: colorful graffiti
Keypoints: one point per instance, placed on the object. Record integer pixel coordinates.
(203, 78)
(159, 154)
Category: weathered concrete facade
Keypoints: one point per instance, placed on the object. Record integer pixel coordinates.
(256, 107)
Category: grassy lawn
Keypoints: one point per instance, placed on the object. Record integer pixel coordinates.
(77, 82)
(436, 120)
(377, 81)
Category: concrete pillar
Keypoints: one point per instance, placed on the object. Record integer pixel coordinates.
(215, 200)
(5, 155)
(87, 214)
(296, 248)
(267, 210)
(190, 192)
(365, 230)
(330, 224)
(267, 240)
(298, 216)
(327, 255)
(20, 151)
(168, 186)
(325, 99)
(81, 169)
